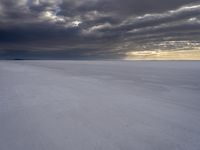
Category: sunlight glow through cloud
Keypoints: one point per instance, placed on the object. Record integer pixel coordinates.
(164, 55)
(76, 23)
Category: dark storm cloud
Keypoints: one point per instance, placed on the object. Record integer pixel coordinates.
(134, 7)
(95, 28)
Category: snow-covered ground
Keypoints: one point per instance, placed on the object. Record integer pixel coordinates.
(99, 105)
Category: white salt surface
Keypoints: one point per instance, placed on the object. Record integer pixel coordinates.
(99, 105)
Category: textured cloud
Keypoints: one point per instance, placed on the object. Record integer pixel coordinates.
(96, 28)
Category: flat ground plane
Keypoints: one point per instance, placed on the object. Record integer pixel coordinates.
(99, 105)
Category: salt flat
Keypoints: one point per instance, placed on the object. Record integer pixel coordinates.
(99, 105)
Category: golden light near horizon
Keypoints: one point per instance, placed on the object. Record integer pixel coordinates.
(164, 55)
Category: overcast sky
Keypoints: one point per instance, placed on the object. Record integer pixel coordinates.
(96, 28)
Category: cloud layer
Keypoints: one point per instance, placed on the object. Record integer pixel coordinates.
(96, 28)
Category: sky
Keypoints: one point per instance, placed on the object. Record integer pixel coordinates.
(98, 29)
